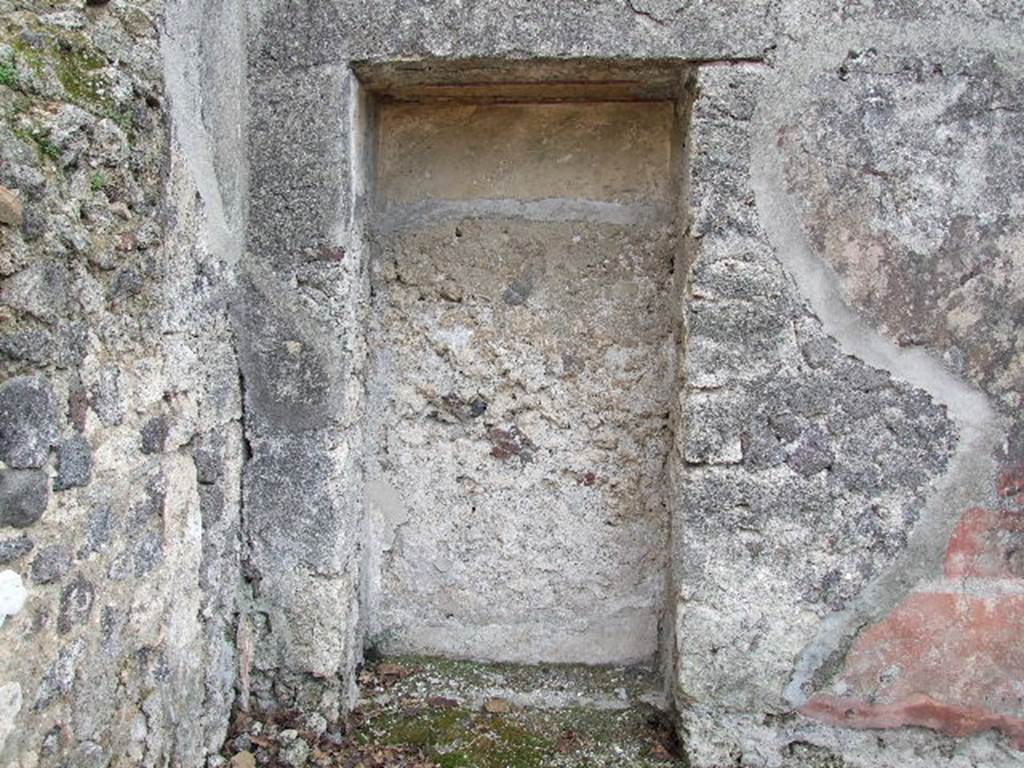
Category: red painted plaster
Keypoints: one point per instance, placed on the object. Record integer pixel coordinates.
(951, 657)
(984, 545)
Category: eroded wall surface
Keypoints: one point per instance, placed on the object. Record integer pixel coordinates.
(120, 435)
(848, 467)
(523, 369)
(838, 420)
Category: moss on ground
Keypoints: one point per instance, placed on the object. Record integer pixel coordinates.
(457, 737)
(469, 678)
(416, 712)
(399, 711)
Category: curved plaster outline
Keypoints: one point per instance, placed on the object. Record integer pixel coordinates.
(981, 429)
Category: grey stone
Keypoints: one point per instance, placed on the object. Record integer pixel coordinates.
(242, 743)
(295, 753)
(812, 453)
(128, 284)
(148, 506)
(28, 421)
(51, 563)
(51, 742)
(24, 494)
(105, 397)
(518, 291)
(316, 724)
(148, 553)
(89, 754)
(209, 457)
(211, 504)
(74, 463)
(76, 601)
(41, 291)
(760, 446)
(120, 566)
(112, 622)
(31, 345)
(819, 352)
(34, 226)
(98, 532)
(60, 676)
(154, 434)
(15, 549)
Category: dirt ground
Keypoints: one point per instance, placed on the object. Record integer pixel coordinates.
(430, 713)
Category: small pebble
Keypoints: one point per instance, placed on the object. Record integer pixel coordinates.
(335, 737)
(316, 724)
(295, 754)
(242, 743)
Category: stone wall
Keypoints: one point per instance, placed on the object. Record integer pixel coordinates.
(120, 431)
(186, 289)
(833, 430)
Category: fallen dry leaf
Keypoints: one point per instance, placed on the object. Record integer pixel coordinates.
(566, 742)
(497, 706)
(658, 752)
(441, 702)
(396, 671)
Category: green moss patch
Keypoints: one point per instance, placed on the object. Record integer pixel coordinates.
(8, 74)
(409, 717)
(457, 737)
(79, 67)
(414, 703)
(46, 147)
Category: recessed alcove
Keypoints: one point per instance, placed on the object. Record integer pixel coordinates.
(525, 240)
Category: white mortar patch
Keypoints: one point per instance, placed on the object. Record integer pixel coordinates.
(12, 595)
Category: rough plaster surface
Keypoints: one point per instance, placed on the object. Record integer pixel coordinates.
(185, 234)
(967, 480)
(802, 463)
(522, 379)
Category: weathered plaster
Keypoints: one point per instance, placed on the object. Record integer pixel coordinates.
(186, 280)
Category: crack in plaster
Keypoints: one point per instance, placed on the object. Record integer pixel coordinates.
(645, 14)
